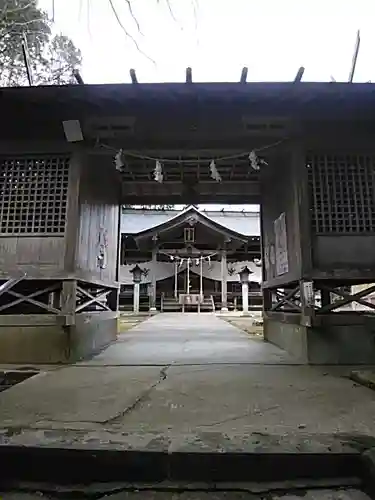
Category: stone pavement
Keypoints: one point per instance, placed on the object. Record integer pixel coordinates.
(190, 383)
(188, 339)
(177, 373)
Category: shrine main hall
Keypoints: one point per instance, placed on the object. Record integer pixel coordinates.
(190, 259)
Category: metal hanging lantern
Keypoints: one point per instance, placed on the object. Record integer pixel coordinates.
(137, 273)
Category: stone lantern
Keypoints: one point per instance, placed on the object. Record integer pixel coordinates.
(244, 279)
(137, 273)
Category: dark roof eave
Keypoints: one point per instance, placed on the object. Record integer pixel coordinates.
(285, 96)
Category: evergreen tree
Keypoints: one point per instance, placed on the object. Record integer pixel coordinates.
(52, 58)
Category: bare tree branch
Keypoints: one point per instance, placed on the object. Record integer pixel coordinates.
(88, 18)
(130, 4)
(195, 9)
(132, 14)
(170, 10)
(126, 31)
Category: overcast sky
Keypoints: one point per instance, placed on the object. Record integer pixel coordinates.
(218, 37)
(272, 37)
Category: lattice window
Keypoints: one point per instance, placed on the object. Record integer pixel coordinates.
(342, 193)
(34, 192)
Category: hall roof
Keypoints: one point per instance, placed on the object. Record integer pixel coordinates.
(141, 221)
(278, 98)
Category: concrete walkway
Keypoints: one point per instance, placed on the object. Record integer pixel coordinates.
(179, 373)
(181, 384)
(188, 339)
(176, 374)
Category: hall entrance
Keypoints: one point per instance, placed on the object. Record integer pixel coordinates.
(188, 283)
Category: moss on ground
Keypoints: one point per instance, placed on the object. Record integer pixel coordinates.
(365, 378)
(126, 322)
(247, 325)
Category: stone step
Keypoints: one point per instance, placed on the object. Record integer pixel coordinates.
(102, 456)
(308, 490)
(28, 463)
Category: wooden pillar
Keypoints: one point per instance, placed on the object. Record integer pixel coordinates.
(325, 298)
(113, 299)
(153, 279)
(224, 276)
(201, 278)
(245, 298)
(308, 300)
(188, 276)
(267, 299)
(136, 298)
(68, 301)
(175, 279)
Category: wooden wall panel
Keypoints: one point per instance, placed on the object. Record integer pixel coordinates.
(97, 221)
(279, 196)
(37, 256)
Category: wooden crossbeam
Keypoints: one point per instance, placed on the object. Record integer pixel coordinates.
(26, 59)
(299, 75)
(31, 298)
(243, 75)
(347, 298)
(286, 299)
(37, 303)
(189, 75)
(355, 57)
(133, 76)
(5, 287)
(92, 299)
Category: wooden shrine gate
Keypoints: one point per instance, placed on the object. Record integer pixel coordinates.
(70, 155)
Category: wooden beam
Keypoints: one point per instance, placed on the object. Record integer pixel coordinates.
(299, 75)
(37, 303)
(347, 298)
(189, 75)
(355, 57)
(78, 77)
(92, 299)
(133, 76)
(286, 298)
(243, 75)
(26, 59)
(31, 298)
(5, 287)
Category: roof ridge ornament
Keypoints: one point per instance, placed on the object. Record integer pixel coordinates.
(192, 220)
